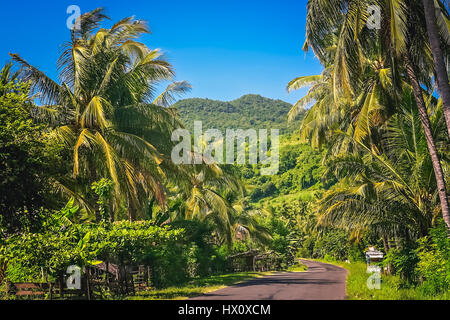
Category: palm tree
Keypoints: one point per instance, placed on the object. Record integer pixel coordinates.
(400, 40)
(324, 113)
(205, 203)
(105, 111)
(213, 195)
(360, 118)
(437, 21)
(390, 193)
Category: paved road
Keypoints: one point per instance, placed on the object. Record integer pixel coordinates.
(322, 281)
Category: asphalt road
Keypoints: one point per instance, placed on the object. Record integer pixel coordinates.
(322, 281)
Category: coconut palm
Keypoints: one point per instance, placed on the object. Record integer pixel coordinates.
(392, 193)
(437, 22)
(360, 118)
(105, 110)
(401, 42)
(213, 195)
(323, 113)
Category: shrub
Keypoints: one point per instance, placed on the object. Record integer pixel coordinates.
(404, 261)
(334, 244)
(433, 265)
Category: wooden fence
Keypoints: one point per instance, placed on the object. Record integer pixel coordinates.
(96, 282)
(254, 260)
(108, 278)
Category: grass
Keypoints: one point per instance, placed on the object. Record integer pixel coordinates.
(199, 286)
(298, 267)
(391, 288)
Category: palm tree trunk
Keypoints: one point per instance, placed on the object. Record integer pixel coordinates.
(438, 57)
(430, 141)
(385, 239)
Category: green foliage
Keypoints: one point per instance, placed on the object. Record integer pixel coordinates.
(51, 251)
(248, 112)
(355, 254)
(174, 253)
(289, 226)
(26, 163)
(268, 189)
(403, 260)
(332, 245)
(434, 261)
(300, 174)
(103, 189)
(60, 246)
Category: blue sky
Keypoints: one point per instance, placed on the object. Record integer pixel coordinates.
(225, 49)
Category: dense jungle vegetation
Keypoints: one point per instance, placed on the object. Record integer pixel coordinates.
(86, 174)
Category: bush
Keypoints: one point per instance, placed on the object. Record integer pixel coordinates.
(433, 266)
(256, 195)
(404, 262)
(27, 161)
(123, 243)
(334, 244)
(355, 254)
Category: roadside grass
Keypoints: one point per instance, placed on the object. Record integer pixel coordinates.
(298, 267)
(199, 286)
(391, 288)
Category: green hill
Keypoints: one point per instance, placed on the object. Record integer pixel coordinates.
(249, 111)
(300, 166)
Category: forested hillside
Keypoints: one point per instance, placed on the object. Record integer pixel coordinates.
(249, 111)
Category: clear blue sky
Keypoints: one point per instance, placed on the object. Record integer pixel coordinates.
(225, 49)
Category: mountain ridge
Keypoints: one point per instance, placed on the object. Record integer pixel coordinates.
(251, 111)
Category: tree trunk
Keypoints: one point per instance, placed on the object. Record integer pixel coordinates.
(3, 267)
(430, 141)
(438, 58)
(61, 285)
(386, 249)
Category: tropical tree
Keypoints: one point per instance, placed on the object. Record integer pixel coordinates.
(212, 195)
(437, 21)
(391, 193)
(400, 43)
(361, 118)
(105, 110)
(26, 162)
(322, 114)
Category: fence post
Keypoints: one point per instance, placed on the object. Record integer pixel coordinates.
(61, 285)
(7, 288)
(88, 289)
(51, 290)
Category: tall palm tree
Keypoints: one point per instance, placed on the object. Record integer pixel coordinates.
(324, 113)
(104, 109)
(360, 118)
(391, 193)
(400, 39)
(437, 21)
(213, 195)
